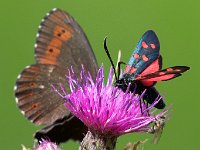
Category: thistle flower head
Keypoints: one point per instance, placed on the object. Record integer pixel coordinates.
(47, 145)
(106, 109)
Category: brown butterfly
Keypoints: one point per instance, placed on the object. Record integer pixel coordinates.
(60, 44)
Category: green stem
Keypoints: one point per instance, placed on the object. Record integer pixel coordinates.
(94, 141)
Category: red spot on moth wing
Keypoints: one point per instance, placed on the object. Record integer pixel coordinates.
(169, 69)
(136, 55)
(144, 44)
(147, 83)
(178, 70)
(162, 73)
(145, 58)
(133, 69)
(153, 46)
(127, 68)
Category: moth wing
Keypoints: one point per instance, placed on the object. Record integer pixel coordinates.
(145, 53)
(163, 75)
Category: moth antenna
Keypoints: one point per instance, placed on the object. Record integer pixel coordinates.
(108, 54)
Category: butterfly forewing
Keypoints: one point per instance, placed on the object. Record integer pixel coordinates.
(61, 41)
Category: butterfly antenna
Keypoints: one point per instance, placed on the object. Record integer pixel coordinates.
(108, 54)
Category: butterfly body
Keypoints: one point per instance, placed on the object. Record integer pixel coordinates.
(144, 69)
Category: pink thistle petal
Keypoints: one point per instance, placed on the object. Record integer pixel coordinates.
(106, 109)
(47, 145)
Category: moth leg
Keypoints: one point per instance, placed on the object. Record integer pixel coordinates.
(119, 67)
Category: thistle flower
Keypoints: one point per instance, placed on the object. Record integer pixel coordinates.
(47, 145)
(105, 109)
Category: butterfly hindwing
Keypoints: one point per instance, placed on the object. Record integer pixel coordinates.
(34, 93)
(69, 125)
(145, 53)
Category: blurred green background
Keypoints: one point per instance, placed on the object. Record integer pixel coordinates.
(177, 24)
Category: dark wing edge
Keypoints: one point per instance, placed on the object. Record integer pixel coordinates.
(33, 94)
(62, 130)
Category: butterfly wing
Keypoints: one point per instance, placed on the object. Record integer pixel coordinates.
(62, 129)
(60, 44)
(145, 53)
(34, 96)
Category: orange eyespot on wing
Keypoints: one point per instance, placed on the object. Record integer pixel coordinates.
(48, 54)
(54, 32)
(63, 34)
(61, 41)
